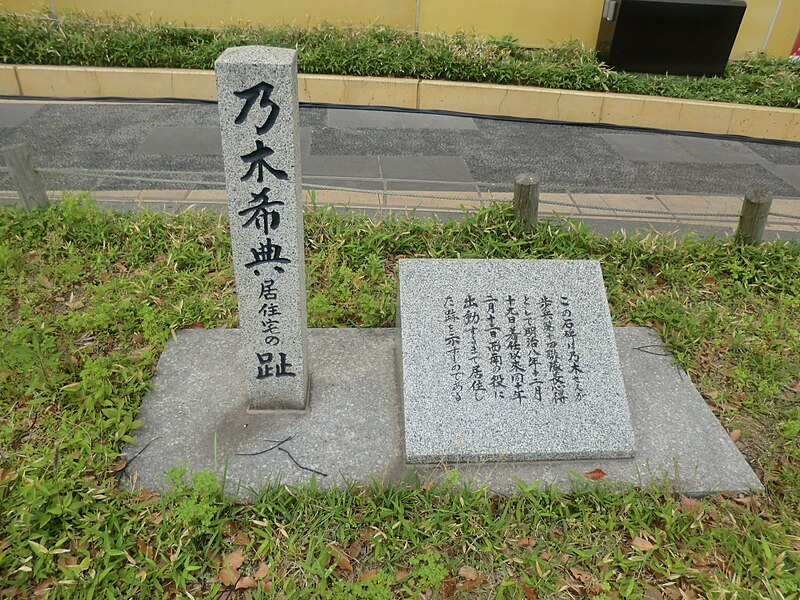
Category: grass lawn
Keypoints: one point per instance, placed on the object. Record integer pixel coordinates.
(88, 300)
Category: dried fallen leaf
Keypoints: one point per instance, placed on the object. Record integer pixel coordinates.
(795, 387)
(671, 592)
(689, 593)
(691, 505)
(246, 583)
(147, 494)
(241, 539)
(735, 435)
(366, 575)
(449, 587)
(234, 559)
(468, 572)
(400, 574)
(196, 326)
(144, 548)
(530, 593)
(545, 555)
(580, 574)
(43, 588)
(595, 475)
(526, 542)
(262, 571)
(469, 584)
(642, 544)
(228, 575)
(67, 561)
(5, 473)
(344, 563)
(228, 528)
(118, 466)
(354, 550)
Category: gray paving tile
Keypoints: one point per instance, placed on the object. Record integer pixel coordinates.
(14, 115)
(789, 173)
(678, 148)
(182, 141)
(341, 166)
(425, 168)
(433, 121)
(709, 150)
(647, 148)
(343, 118)
(369, 185)
(305, 141)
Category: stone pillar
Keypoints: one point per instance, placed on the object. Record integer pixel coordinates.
(259, 114)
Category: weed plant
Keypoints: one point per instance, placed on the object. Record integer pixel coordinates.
(89, 299)
(379, 51)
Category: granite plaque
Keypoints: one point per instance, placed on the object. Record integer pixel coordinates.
(509, 360)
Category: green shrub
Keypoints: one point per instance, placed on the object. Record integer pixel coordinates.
(379, 51)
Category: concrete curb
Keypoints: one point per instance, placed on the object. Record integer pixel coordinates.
(475, 98)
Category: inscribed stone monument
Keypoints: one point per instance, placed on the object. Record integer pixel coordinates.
(258, 109)
(509, 360)
(505, 360)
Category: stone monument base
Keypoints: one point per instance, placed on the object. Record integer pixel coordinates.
(196, 416)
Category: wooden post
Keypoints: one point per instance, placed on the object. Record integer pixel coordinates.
(27, 181)
(755, 210)
(526, 199)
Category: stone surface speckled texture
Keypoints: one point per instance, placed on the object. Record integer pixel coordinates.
(352, 430)
(265, 208)
(509, 360)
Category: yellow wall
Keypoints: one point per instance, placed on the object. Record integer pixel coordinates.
(755, 26)
(786, 29)
(532, 22)
(398, 13)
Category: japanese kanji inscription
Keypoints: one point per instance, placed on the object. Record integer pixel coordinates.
(509, 360)
(258, 108)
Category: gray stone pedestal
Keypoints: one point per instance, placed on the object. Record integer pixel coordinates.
(352, 428)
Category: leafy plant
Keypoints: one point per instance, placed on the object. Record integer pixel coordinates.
(89, 299)
(379, 51)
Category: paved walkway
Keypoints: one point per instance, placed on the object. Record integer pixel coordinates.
(168, 157)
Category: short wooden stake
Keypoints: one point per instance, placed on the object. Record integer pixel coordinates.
(755, 210)
(526, 199)
(28, 182)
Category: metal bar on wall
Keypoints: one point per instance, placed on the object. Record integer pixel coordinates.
(771, 27)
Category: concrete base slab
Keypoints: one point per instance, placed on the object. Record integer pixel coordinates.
(196, 416)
